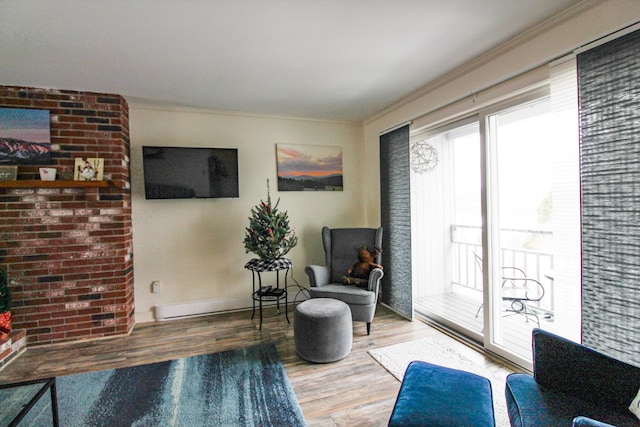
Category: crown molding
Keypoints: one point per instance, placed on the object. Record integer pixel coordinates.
(491, 55)
(144, 104)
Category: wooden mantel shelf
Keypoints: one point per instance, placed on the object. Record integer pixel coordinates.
(36, 183)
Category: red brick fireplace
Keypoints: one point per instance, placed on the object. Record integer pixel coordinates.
(68, 249)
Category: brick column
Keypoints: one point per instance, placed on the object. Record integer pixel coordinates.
(69, 251)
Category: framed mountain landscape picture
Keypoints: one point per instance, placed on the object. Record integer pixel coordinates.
(309, 167)
(25, 137)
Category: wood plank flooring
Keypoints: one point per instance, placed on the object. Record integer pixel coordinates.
(355, 391)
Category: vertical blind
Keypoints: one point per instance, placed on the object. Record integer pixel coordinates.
(609, 98)
(395, 208)
(565, 162)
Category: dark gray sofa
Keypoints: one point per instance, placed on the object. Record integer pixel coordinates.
(571, 385)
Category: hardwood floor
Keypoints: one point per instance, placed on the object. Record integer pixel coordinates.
(354, 391)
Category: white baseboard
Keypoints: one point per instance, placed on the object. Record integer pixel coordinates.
(200, 308)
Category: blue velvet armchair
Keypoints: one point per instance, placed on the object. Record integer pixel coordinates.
(571, 385)
(340, 254)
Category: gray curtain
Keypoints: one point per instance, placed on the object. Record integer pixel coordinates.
(609, 99)
(395, 207)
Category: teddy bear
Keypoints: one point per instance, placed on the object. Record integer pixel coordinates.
(358, 274)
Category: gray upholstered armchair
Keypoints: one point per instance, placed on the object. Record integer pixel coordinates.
(340, 254)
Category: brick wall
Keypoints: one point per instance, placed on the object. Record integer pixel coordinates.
(68, 251)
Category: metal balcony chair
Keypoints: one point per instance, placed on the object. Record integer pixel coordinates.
(518, 291)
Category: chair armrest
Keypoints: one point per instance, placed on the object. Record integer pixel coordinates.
(374, 280)
(588, 422)
(318, 275)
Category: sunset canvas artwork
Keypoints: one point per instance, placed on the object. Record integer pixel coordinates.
(309, 167)
(24, 137)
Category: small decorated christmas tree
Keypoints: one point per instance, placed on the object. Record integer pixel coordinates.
(269, 235)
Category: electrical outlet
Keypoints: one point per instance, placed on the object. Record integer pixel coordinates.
(155, 286)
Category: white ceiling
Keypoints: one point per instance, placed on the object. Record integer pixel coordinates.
(322, 59)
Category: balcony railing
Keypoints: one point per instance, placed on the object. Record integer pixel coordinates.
(467, 259)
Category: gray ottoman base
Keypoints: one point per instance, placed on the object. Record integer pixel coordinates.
(322, 330)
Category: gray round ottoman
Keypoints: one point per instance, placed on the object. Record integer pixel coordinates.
(322, 330)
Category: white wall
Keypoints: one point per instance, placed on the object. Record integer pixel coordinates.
(194, 247)
(582, 25)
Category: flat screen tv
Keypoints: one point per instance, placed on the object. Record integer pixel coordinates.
(190, 173)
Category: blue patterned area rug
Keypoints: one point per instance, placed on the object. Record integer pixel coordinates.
(246, 387)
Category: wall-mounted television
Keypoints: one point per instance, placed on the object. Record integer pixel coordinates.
(190, 172)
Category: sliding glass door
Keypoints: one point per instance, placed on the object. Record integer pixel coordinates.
(520, 234)
(447, 226)
(495, 247)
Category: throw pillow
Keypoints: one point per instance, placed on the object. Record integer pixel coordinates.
(635, 405)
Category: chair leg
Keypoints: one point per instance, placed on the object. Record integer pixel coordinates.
(528, 312)
(522, 308)
(368, 328)
(478, 312)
